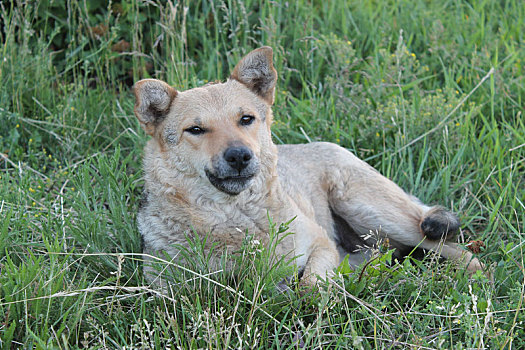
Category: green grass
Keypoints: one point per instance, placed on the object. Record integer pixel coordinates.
(400, 83)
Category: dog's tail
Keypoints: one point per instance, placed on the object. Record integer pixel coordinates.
(439, 223)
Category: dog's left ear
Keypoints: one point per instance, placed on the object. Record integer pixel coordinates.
(255, 70)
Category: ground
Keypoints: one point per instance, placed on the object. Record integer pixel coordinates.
(429, 93)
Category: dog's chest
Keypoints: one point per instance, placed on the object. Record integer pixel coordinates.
(225, 222)
(231, 216)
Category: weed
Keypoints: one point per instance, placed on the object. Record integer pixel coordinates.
(430, 93)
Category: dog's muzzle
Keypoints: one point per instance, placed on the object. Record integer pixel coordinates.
(234, 171)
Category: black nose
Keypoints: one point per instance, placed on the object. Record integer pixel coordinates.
(238, 157)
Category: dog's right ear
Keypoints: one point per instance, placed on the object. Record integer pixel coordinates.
(153, 99)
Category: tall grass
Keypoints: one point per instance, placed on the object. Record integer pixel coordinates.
(400, 83)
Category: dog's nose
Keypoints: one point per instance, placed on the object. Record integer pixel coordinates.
(238, 157)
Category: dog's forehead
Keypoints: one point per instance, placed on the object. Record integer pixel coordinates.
(220, 100)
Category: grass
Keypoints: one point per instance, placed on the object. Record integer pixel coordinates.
(406, 85)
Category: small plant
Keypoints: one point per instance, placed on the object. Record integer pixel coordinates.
(400, 84)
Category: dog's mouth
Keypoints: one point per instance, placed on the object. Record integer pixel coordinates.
(232, 185)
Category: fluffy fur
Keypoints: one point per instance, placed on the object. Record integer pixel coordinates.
(211, 168)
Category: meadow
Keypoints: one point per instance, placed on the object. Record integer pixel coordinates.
(430, 93)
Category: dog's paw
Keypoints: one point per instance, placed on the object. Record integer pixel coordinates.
(474, 265)
(308, 287)
(439, 223)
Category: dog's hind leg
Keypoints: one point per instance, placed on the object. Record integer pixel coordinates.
(368, 201)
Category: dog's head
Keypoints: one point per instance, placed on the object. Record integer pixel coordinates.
(217, 131)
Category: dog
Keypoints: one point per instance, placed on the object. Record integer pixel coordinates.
(211, 169)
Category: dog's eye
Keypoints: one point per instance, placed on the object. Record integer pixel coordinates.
(246, 120)
(195, 130)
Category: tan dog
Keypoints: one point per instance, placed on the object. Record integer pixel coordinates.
(211, 167)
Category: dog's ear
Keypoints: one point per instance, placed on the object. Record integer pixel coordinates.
(255, 70)
(153, 99)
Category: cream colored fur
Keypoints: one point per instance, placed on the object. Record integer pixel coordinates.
(316, 183)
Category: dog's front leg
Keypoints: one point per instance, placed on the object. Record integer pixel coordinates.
(317, 253)
(322, 261)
